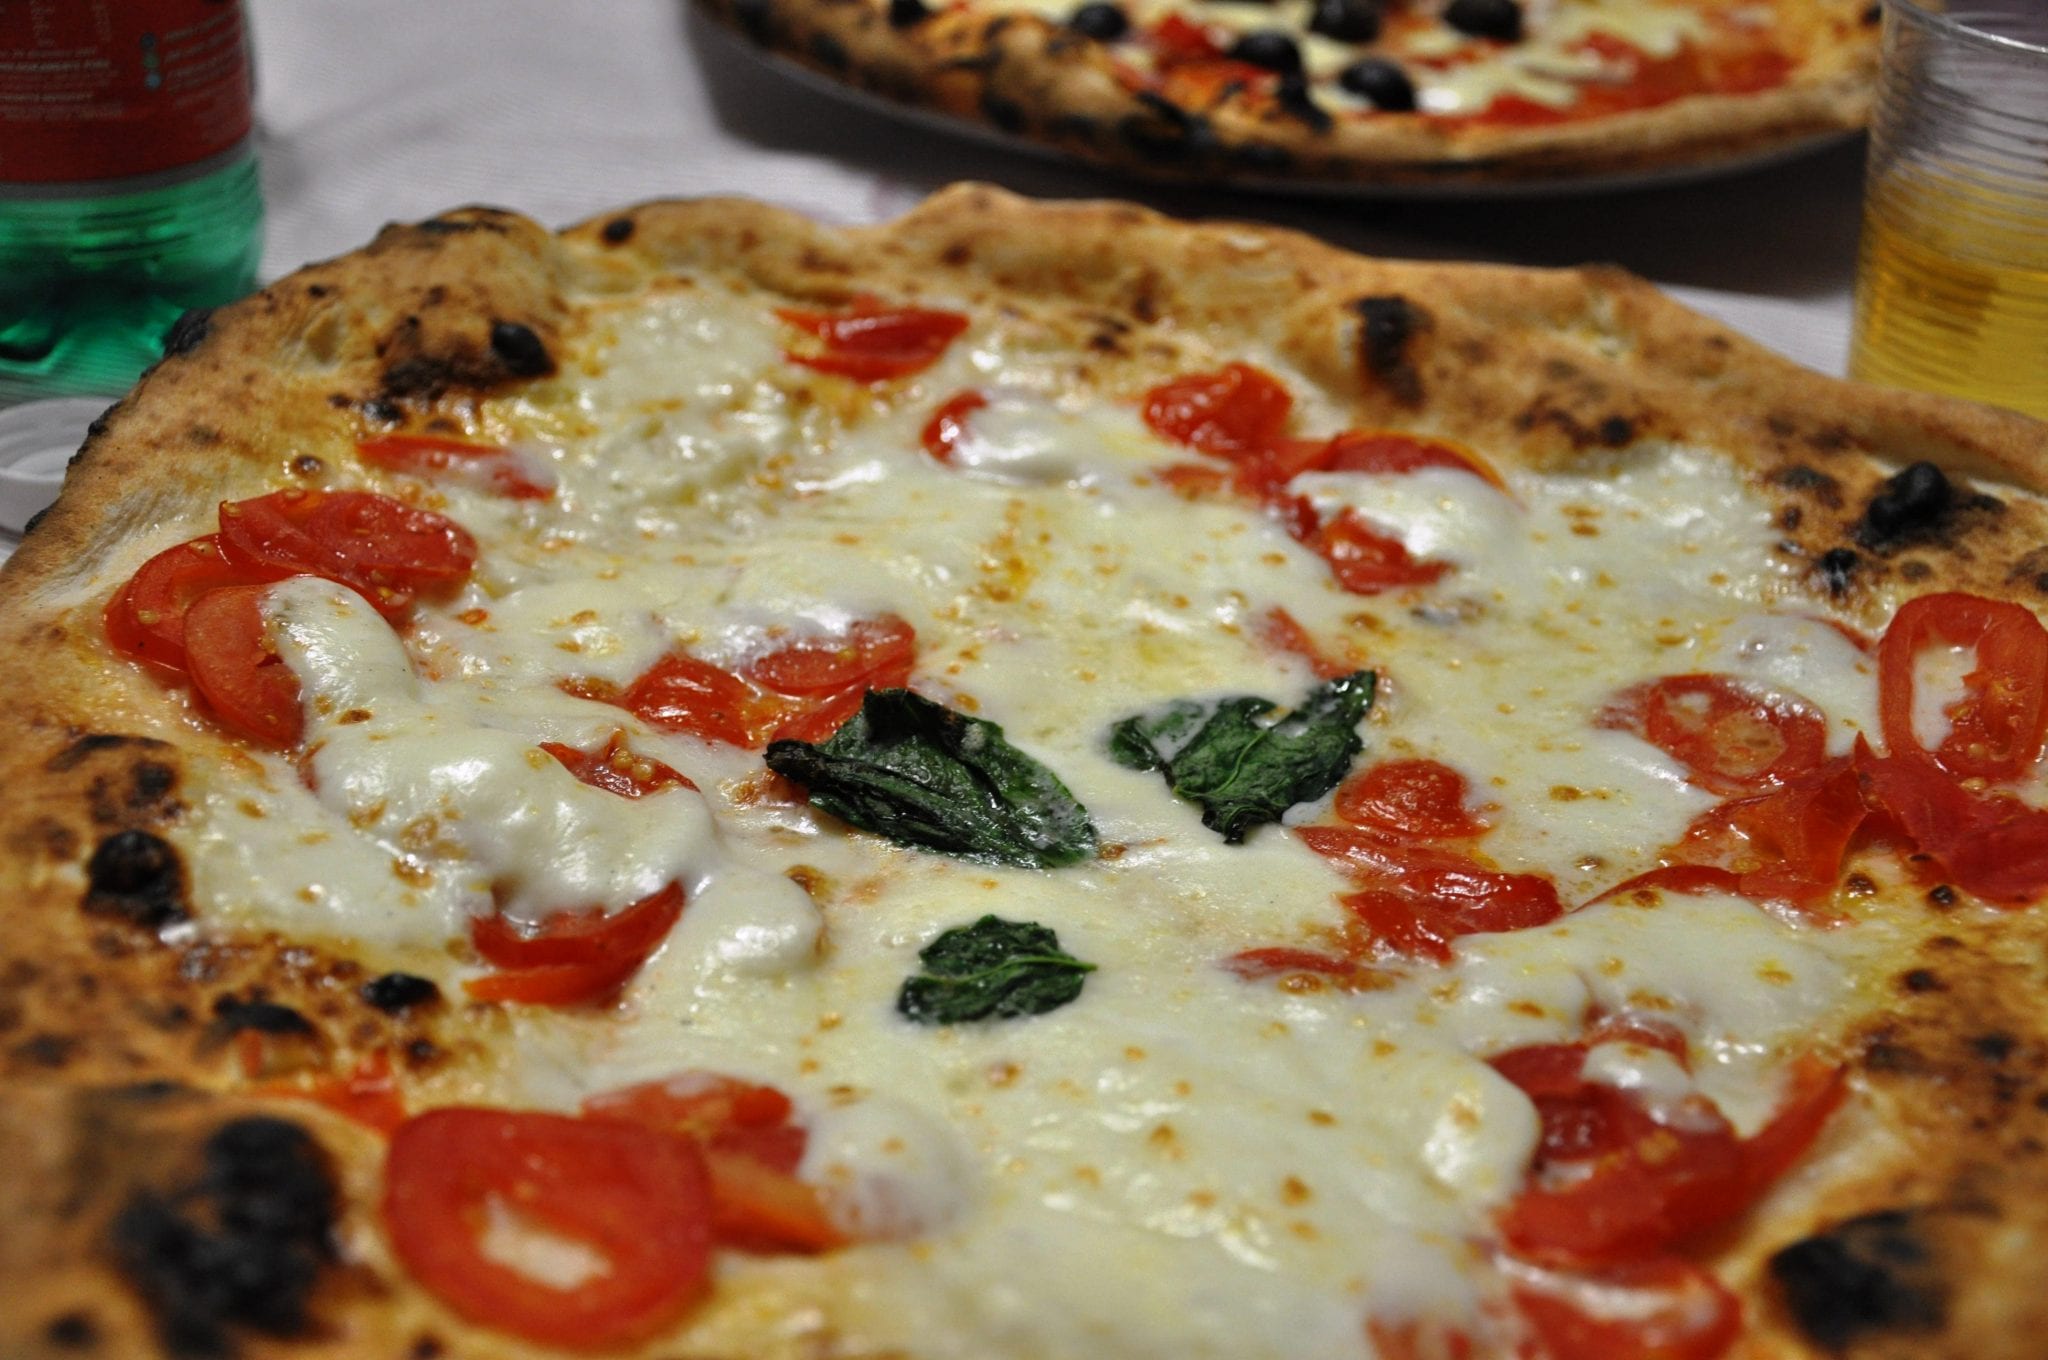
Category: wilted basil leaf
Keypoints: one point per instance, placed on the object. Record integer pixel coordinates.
(925, 776)
(1242, 770)
(991, 970)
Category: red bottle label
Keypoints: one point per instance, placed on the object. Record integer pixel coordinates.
(105, 89)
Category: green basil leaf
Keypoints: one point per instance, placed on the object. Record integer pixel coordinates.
(1242, 769)
(926, 776)
(991, 970)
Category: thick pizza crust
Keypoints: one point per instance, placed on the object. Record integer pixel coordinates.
(1024, 76)
(124, 1107)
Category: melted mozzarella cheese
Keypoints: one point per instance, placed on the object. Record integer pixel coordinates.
(1181, 1162)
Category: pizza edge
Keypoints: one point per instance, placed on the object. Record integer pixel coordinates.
(116, 1050)
(1023, 76)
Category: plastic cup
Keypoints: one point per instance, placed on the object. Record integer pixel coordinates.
(1952, 282)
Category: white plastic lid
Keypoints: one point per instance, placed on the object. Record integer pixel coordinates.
(36, 443)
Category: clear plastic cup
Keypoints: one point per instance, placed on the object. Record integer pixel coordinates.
(1952, 283)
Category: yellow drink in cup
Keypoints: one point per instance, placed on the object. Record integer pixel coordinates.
(1952, 284)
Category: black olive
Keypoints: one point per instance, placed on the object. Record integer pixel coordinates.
(1380, 81)
(1356, 21)
(1100, 20)
(1270, 48)
(1501, 19)
(1294, 99)
(908, 13)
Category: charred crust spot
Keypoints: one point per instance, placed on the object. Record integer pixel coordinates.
(73, 1331)
(1836, 566)
(317, 290)
(1294, 100)
(242, 1246)
(84, 747)
(828, 51)
(457, 226)
(1617, 431)
(617, 232)
(1941, 895)
(755, 18)
(1995, 1046)
(44, 1050)
(394, 993)
(957, 255)
(1387, 324)
(188, 332)
(1884, 1054)
(1809, 481)
(382, 412)
(1006, 114)
(1915, 570)
(1921, 980)
(520, 350)
(34, 520)
(1866, 1275)
(307, 465)
(136, 877)
(1165, 132)
(232, 1015)
(1909, 504)
(426, 1346)
(1872, 16)
(908, 13)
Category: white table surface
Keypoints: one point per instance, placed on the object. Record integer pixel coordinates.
(375, 110)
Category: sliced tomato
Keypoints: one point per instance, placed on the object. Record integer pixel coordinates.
(1392, 451)
(1687, 879)
(679, 693)
(1420, 918)
(1997, 728)
(1235, 410)
(236, 669)
(1989, 843)
(638, 1200)
(1786, 845)
(948, 425)
(1368, 562)
(385, 549)
(1420, 800)
(872, 654)
(1177, 38)
(368, 1093)
(1664, 1308)
(1731, 738)
(427, 455)
(145, 619)
(1282, 632)
(1279, 960)
(575, 957)
(617, 769)
(869, 342)
(1264, 472)
(1639, 1187)
(751, 1149)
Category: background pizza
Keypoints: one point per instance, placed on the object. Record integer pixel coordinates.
(1356, 92)
(1153, 790)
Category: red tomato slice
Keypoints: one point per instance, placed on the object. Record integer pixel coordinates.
(1279, 960)
(870, 343)
(1265, 471)
(751, 1148)
(1366, 561)
(637, 1199)
(1231, 412)
(1282, 632)
(1997, 728)
(368, 1094)
(383, 548)
(1390, 451)
(1990, 844)
(1786, 845)
(1815, 1090)
(428, 454)
(615, 769)
(236, 669)
(1676, 878)
(948, 425)
(145, 620)
(1420, 800)
(1416, 900)
(1177, 38)
(1731, 739)
(682, 694)
(575, 956)
(873, 654)
(1673, 1311)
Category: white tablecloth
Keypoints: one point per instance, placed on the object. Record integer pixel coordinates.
(374, 110)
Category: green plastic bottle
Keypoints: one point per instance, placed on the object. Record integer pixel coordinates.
(128, 186)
